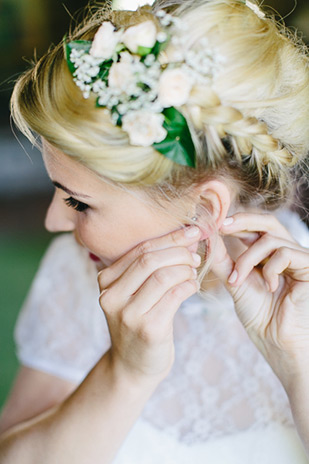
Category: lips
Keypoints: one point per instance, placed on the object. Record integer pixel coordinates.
(94, 257)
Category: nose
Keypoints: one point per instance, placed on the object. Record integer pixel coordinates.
(59, 217)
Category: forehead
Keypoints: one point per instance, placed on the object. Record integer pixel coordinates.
(57, 161)
(67, 172)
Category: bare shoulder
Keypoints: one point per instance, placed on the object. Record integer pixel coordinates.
(33, 392)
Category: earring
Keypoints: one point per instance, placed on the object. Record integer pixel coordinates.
(195, 218)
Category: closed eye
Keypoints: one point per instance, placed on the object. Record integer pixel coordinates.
(77, 205)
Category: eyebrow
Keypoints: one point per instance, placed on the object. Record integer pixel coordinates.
(65, 189)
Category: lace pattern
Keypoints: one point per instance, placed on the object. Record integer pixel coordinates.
(219, 385)
(61, 328)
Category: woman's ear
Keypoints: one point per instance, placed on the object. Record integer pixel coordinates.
(216, 197)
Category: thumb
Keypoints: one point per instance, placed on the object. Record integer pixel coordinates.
(222, 264)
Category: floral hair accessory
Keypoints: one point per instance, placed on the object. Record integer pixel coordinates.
(122, 68)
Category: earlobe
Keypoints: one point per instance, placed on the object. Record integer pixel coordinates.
(215, 196)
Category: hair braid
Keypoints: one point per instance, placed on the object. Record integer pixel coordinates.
(248, 120)
(249, 140)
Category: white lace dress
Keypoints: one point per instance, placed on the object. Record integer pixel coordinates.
(221, 402)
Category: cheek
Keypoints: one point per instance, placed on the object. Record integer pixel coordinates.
(105, 241)
(87, 232)
(110, 238)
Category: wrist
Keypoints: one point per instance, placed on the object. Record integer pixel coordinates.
(297, 383)
(293, 373)
(297, 391)
(289, 364)
(133, 383)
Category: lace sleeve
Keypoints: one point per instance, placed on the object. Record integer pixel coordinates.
(61, 329)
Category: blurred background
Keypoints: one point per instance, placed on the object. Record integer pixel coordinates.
(27, 27)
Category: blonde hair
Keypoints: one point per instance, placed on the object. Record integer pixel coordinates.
(250, 125)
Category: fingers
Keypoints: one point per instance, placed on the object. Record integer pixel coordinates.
(270, 247)
(159, 319)
(142, 292)
(294, 261)
(180, 238)
(251, 226)
(157, 266)
(265, 236)
(165, 281)
(161, 282)
(156, 325)
(147, 273)
(247, 238)
(266, 247)
(222, 264)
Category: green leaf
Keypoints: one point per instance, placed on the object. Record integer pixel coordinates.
(104, 70)
(178, 145)
(97, 104)
(159, 47)
(143, 86)
(119, 117)
(143, 51)
(76, 45)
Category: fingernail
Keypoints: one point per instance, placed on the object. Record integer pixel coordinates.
(192, 231)
(233, 277)
(194, 271)
(196, 258)
(228, 221)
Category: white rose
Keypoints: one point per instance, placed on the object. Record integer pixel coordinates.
(142, 35)
(105, 41)
(173, 55)
(144, 128)
(121, 74)
(174, 87)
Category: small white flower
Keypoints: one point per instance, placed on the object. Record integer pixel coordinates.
(161, 37)
(114, 118)
(161, 14)
(150, 59)
(135, 104)
(144, 128)
(174, 54)
(99, 86)
(103, 101)
(142, 35)
(122, 108)
(121, 74)
(174, 87)
(167, 20)
(105, 41)
(256, 9)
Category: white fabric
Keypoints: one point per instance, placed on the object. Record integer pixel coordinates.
(61, 328)
(221, 402)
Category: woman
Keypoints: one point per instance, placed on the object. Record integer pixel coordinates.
(169, 134)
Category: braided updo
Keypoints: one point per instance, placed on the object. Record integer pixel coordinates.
(249, 123)
(251, 119)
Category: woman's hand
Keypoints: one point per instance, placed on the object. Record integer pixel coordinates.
(269, 283)
(140, 294)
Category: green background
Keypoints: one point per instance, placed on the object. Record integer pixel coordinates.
(21, 254)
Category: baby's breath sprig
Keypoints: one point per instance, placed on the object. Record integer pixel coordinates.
(121, 67)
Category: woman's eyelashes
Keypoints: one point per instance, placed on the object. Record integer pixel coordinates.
(77, 205)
